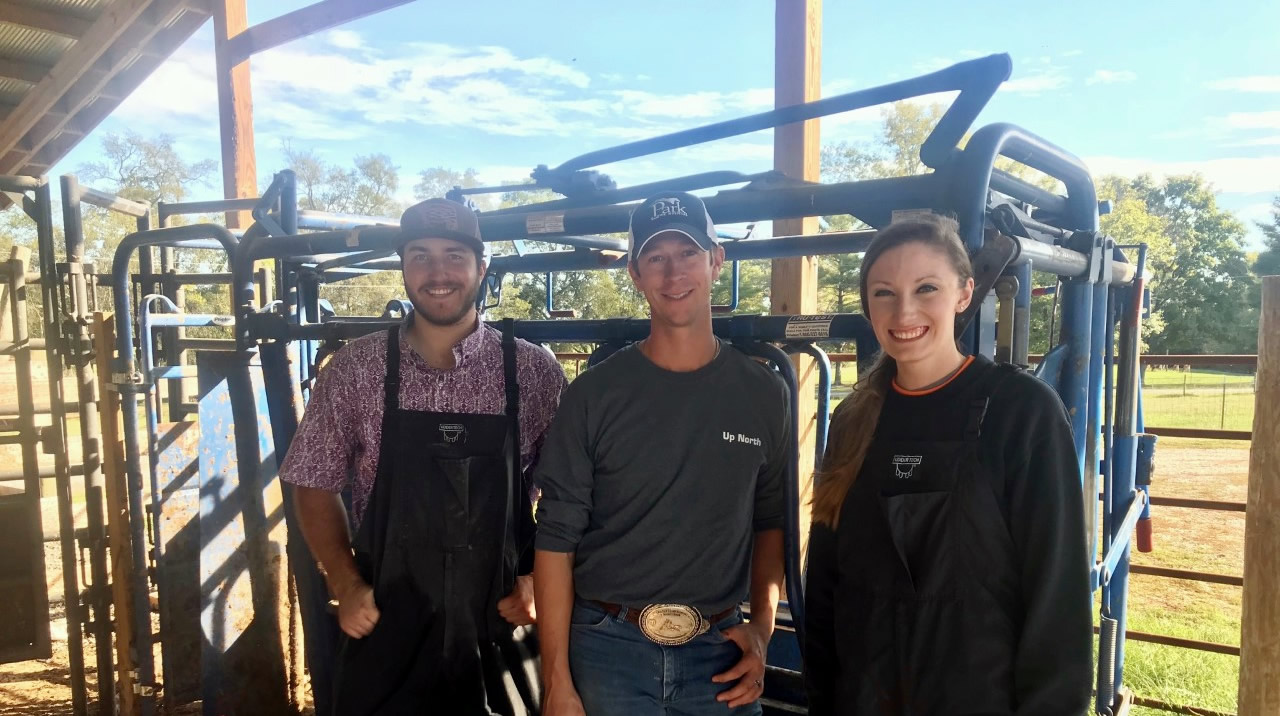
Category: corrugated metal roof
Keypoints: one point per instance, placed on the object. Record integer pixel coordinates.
(82, 8)
(23, 43)
(38, 129)
(11, 91)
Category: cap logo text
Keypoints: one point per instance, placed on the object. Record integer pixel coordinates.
(446, 216)
(668, 207)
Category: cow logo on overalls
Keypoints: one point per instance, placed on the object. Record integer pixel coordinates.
(452, 432)
(904, 465)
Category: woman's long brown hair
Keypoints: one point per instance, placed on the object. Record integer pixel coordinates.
(853, 423)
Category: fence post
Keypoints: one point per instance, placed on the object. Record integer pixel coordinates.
(1260, 618)
(1222, 421)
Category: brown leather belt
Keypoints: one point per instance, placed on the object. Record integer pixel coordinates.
(633, 615)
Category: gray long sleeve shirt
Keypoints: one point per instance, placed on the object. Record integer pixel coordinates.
(658, 480)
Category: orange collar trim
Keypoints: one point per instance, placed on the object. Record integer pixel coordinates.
(903, 391)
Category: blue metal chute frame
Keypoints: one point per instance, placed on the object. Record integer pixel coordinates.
(1049, 233)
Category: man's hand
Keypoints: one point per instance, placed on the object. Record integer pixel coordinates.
(749, 671)
(357, 612)
(517, 607)
(561, 699)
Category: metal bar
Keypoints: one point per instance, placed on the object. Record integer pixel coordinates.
(791, 491)
(838, 327)
(1194, 361)
(81, 347)
(1200, 433)
(43, 471)
(208, 207)
(43, 205)
(978, 160)
(105, 200)
(20, 184)
(206, 344)
(977, 78)
(330, 221)
(1194, 644)
(1118, 550)
(1049, 258)
(1197, 504)
(824, 397)
(184, 279)
(30, 472)
(1187, 574)
(1176, 708)
(124, 367)
(320, 629)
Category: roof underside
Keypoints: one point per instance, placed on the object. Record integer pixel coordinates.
(65, 65)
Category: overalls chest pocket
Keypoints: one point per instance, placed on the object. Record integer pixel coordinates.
(918, 486)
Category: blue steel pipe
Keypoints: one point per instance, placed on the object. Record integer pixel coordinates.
(969, 190)
(977, 80)
(791, 524)
(124, 367)
(824, 397)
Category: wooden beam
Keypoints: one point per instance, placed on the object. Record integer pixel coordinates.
(118, 535)
(114, 21)
(117, 89)
(1260, 614)
(235, 109)
(44, 20)
(794, 282)
(24, 70)
(301, 23)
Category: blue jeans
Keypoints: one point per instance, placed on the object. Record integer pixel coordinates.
(618, 672)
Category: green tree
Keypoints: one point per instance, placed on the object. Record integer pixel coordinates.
(146, 169)
(367, 188)
(1268, 262)
(437, 181)
(1201, 282)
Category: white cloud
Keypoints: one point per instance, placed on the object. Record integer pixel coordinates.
(345, 39)
(1252, 120)
(1036, 83)
(1107, 77)
(183, 86)
(1273, 141)
(1252, 83)
(1246, 175)
(1072, 53)
(692, 105)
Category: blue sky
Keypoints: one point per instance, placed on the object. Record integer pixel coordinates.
(1166, 87)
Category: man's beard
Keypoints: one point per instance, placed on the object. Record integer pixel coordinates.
(445, 317)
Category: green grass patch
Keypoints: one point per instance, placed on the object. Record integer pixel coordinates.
(1232, 411)
(1183, 676)
(1199, 377)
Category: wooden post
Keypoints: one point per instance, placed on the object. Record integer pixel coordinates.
(1260, 618)
(235, 109)
(793, 286)
(117, 508)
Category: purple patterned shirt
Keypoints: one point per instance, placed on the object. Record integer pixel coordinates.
(341, 429)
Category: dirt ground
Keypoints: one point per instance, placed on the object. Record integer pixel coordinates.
(1187, 539)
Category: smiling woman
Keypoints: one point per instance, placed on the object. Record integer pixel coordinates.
(947, 557)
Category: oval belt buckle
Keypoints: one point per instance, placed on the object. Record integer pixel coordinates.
(671, 624)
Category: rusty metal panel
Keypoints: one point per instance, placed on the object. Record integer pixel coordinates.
(178, 576)
(24, 630)
(244, 586)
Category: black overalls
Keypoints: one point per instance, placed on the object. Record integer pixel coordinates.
(442, 540)
(930, 618)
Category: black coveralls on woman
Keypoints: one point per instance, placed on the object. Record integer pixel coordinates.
(446, 532)
(957, 581)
